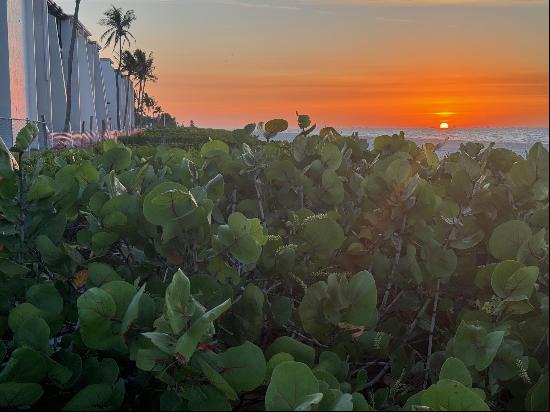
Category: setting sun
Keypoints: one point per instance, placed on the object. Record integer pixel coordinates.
(444, 126)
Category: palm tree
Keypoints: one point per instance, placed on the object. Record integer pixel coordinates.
(145, 72)
(149, 102)
(70, 69)
(139, 65)
(118, 23)
(130, 67)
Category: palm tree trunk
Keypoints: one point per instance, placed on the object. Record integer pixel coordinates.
(69, 88)
(118, 86)
(126, 102)
(143, 94)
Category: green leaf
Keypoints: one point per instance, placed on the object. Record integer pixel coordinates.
(92, 397)
(42, 188)
(18, 395)
(117, 159)
(122, 294)
(20, 314)
(177, 302)
(292, 385)
(166, 202)
(46, 298)
(25, 137)
(512, 281)
(187, 343)
(244, 367)
(299, 351)
(537, 396)
(274, 127)
(131, 315)
(101, 273)
(51, 254)
(218, 381)
(454, 369)
(10, 268)
(440, 262)
(213, 149)
(323, 235)
(362, 297)
(25, 365)
(331, 156)
(448, 395)
(96, 308)
(507, 239)
(398, 173)
(475, 347)
(33, 333)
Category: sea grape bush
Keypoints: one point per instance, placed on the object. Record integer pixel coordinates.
(319, 274)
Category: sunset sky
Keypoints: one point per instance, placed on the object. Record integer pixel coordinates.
(347, 63)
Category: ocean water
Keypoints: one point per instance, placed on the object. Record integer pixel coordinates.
(517, 139)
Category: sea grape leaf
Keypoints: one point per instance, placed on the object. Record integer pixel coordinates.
(122, 293)
(323, 234)
(475, 346)
(218, 381)
(507, 239)
(12, 269)
(187, 343)
(244, 367)
(21, 313)
(166, 202)
(33, 333)
(299, 351)
(46, 298)
(25, 365)
(25, 137)
(42, 188)
(449, 395)
(117, 158)
(132, 313)
(96, 308)
(331, 156)
(19, 395)
(213, 149)
(101, 273)
(91, 397)
(398, 173)
(178, 309)
(454, 369)
(292, 385)
(362, 297)
(513, 281)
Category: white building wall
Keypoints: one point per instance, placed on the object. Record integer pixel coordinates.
(13, 68)
(99, 90)
(66, 33)
(30, 60)
(57, 78)
(5, 100)
(42, 67)
(34, 49)
(109, 78)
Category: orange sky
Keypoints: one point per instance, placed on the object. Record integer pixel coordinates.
(348, 63)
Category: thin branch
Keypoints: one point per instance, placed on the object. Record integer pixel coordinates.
(260, 203)
(395, 263)
(430, 340)
(393, 302)
(378, 377)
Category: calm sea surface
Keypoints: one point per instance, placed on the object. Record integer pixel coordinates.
(516, 139)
